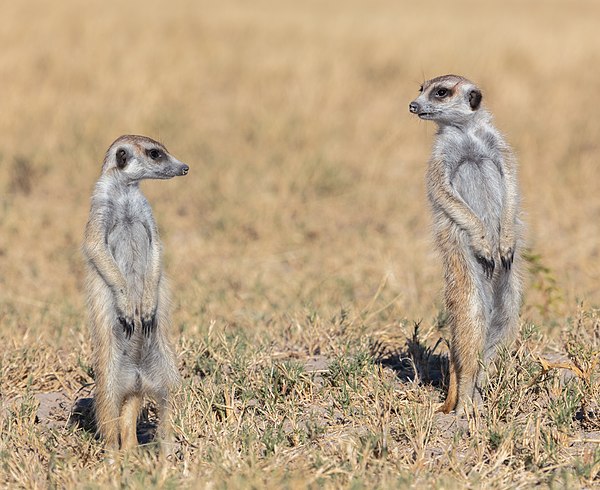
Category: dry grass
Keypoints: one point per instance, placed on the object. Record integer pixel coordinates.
(298, 247)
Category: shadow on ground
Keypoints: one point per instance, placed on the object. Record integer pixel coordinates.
(414, 361)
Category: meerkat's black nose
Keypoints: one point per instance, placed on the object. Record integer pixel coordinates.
(184, 170)
(413, 107)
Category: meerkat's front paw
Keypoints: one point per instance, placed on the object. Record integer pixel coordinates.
(149, 323)
(125, 316)
(128, 324)
(488, 264)
(484, 255)
(507, 251)
(149, 320)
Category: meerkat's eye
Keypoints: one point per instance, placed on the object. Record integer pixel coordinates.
(154, 154)
(441, 93)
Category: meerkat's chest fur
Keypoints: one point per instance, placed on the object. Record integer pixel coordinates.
(473, 163)
(130, 206)
(457, 146)
(130, 234)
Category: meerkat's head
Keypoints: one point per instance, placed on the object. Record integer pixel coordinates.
(137, 157)
(449, 99)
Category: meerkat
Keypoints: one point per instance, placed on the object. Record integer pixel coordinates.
(127, 296)
(473, 191)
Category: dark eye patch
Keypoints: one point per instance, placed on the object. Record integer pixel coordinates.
(440, 93)
(154, 153)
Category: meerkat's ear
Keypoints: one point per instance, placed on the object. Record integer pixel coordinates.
(475, 98)
(121, 157)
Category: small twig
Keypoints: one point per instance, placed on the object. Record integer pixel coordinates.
(547, 366)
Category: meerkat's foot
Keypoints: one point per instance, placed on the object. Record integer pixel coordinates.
(167, 449)
(445, 407)
(450, 402)
(469, 407)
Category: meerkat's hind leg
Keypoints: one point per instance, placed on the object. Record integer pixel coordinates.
(452, 396)
(468, 374)
(467, 303)
(128, 421)
(164, 431)
(106, 409)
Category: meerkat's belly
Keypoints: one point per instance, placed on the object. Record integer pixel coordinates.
(481, 186)
(129, 244)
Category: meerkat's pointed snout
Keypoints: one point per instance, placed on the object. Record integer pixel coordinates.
(413, 107)
(185, 169)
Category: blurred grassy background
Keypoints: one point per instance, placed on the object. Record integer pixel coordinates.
(306, 185)
(306, 190)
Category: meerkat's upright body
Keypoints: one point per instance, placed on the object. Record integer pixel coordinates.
(126, 293)
(473, 190)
